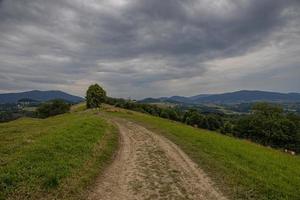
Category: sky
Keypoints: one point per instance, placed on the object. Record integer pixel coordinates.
(150, 48)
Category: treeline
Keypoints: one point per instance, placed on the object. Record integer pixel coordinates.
(168, 112)
(43, 110)
(269, 125)
(190, 117)
(266, 124)
(52, 108)
(9, 112)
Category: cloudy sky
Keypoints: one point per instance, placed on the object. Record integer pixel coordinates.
(142, 48)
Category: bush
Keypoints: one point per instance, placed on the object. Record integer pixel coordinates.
(52, 108)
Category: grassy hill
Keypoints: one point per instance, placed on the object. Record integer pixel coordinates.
(59, 157)
(53, 158)
(241, 169)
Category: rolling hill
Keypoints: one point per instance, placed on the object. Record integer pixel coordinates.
(241, 169)
(243, 96)
(38, 96)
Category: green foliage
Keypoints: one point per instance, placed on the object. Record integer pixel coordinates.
(226, 128)
(9, 112)
(95, 95)
(241, 169)
(210, 121)
(6, 116)
(53, 108)
(214, 122)
(53, 158)
(193, 117)
(168, 113)
(164, 114)
(172, 114)
(267, 110)
(269, 125)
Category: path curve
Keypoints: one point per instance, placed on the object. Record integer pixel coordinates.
(149, 166)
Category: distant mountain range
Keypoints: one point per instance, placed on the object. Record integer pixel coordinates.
(243, 96)
(39, 96)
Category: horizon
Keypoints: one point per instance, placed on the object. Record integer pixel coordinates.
(141, 49)
(83, 96)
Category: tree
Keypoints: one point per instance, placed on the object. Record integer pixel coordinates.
(173, 114)
(226, 128)
(164, 114)
(269, 125)
(51, 108)
(95, 95)
(193, 117)
(267, 110)
(214, 122)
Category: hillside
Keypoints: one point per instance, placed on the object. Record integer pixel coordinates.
(239, 168)
(60, 157)
(38, 96)
(243, 96)
(53, 158)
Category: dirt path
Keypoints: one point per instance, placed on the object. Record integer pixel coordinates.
(149, 166)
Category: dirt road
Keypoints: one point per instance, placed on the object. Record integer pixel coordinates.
(149, 166)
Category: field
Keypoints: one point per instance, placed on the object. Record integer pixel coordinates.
(240, 169)
(54, 158)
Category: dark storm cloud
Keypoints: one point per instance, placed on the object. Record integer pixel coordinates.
(137, 43)
(175, 27)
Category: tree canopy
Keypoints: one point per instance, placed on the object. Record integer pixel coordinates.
(51, 108)
(95, 95)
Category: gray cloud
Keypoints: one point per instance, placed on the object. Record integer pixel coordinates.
(142, 47)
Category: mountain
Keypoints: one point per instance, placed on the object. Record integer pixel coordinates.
(38, 96)
(243, 96)
(179, 99)
(246, 96)
(193, 98)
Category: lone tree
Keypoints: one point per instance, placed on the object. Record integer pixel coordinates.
(95, 95)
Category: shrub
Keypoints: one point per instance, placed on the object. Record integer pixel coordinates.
(52, 108)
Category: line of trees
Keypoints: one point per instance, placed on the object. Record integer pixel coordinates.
(267, 124)
(52, 108)
(191, 117)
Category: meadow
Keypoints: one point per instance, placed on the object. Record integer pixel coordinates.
(54, 158)
(240, 169)
(60, 157)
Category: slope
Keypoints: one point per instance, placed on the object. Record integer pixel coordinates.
(240, 169)
(53, 158)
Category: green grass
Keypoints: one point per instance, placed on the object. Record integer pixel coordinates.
(240, 169)
(54, 158)
(78, 107)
